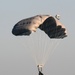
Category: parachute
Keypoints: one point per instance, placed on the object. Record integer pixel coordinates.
(47, 32)
(52, 27)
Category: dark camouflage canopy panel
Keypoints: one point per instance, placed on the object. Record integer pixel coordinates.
(51, 26)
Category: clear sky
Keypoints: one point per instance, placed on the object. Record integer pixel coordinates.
(14, 59)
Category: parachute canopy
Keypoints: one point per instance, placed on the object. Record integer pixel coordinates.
(51, 26)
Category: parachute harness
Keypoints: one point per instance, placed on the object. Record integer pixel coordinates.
(39, 68)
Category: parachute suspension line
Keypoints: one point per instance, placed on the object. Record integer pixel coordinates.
(31, 45)
(35, 41)
(41, 51)
(51, 49)
(40, 44)
(41, 47)
(45, 49)
(37, 47)
(38, 57)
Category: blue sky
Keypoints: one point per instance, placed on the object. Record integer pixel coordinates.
(14, 59)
